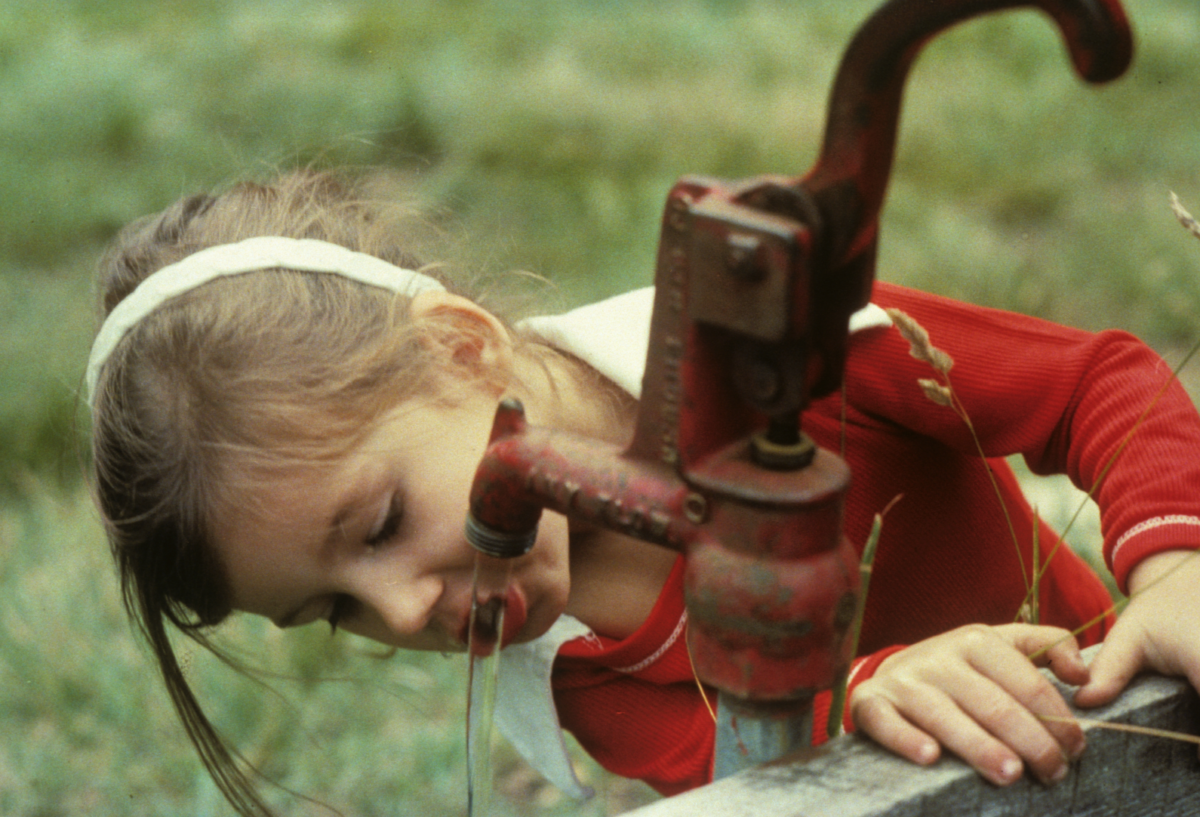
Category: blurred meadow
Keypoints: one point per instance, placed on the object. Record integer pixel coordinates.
(551, 131)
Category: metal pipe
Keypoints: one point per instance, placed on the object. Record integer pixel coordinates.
(756, 282)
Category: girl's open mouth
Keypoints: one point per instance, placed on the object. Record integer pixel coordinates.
(514, 615)
(482, 631)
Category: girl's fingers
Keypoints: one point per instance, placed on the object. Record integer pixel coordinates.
(1012, 710)
(975, 691)
(928, 718)
(876, 716)
(1119, 659)
(1051, 647)
(1007, 708)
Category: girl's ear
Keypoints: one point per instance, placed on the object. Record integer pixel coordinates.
(468, 335)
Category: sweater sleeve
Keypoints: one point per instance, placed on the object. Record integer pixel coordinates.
(658, 733)
(1101, 408)
(635, 704)
(861, 669)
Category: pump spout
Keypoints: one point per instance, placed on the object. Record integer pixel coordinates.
(526, 469)
(755, 284)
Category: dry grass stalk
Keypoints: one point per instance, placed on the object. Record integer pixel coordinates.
(837, 705)
(1190, 224)
(936, 392)
(1104, 472)
(699, 684)
(942, 393)
(1030, 611)
(1125, 727)
(920, 346)
(1185, 218)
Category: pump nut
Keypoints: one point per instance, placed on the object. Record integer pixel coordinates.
(695, 508)
(782, 456)
(498, 543)
(741, 257)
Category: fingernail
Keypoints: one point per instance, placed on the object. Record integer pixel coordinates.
(1010, 769)
(1077, 752)
(1059, 774)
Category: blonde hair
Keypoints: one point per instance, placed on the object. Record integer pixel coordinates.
(206, 388)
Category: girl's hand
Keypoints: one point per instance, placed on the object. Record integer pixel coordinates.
(1156, 631)
(974, 691)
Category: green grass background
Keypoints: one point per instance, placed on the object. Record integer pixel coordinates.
(552, 130)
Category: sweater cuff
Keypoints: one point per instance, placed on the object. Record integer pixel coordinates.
(860, 670)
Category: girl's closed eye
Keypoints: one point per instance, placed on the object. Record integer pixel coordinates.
(386, 526)
(388, 523)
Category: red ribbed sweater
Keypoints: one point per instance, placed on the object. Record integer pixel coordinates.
(1063, 398)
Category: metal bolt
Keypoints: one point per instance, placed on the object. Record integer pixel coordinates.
(741, 257)
(677, 214)
(762, 380)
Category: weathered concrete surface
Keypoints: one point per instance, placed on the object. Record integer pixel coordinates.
(1120, 775)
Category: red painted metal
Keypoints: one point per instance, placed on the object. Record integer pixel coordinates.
(756, 282)
(527, 469)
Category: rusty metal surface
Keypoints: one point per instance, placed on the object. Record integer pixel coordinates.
(756, 281)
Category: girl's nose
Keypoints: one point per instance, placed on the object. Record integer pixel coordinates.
(405, 608)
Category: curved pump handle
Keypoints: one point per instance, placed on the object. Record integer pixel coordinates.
(840, 199)
(850, 177)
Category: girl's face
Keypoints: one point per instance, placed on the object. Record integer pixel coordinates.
(374, 540)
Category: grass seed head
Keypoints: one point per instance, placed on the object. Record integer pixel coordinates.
(919, 344)
(1185, 218)
(936, 392)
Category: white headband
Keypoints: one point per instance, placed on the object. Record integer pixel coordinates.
(251, 255)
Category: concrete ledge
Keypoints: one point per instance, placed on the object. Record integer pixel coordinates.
(1120, 775)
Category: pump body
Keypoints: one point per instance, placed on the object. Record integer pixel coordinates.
(755, 284)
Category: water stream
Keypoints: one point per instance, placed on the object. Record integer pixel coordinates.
(483, 650)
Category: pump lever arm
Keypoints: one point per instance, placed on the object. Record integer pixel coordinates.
(849, 179)
(840, 199)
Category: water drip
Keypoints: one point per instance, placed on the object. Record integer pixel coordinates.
(488, 592)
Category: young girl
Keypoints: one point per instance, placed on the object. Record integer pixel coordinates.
(287, 419)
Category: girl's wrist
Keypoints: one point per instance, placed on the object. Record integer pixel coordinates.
(1153, 568)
